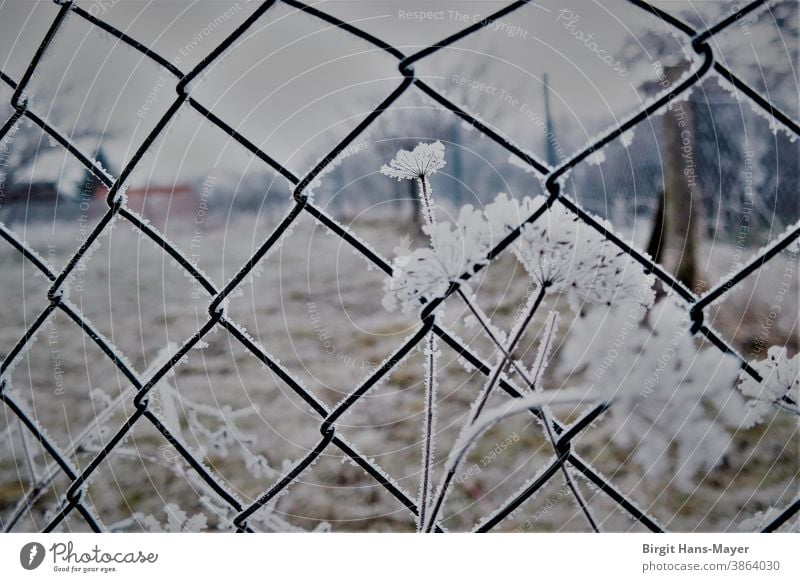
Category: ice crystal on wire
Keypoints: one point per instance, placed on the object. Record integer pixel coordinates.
(425, 273)
(567, 256)
(424, 160)
(780, 379)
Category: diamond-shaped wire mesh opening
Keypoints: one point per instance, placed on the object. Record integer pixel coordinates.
(286, 95)
(78, 89)
(762, 310)
(223, 402)
(131, 283)
(190, 183)
(330, 340)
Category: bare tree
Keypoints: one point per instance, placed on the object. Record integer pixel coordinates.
(26, 142)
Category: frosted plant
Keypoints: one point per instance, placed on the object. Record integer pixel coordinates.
(214, 430)
(426, 273)
(432, 354)
(779, 387)
(265, 520)
(564, 255)
(674, 406)
(476, 419)
(533, 380)
(177, 521)
(561, 255)
(423, 161)
(469, 436)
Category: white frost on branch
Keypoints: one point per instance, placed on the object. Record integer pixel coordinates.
(675, 406)
(560, 253)
(177, 521)
(780, 379)
(534, 401)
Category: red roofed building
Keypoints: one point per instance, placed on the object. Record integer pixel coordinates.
(176, 202)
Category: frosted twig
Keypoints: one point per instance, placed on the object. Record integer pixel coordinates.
(533, 383)
(541, 363)
(506, 352)
(531, 402)
(427, 204)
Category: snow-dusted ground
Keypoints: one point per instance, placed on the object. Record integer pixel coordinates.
(316, 307)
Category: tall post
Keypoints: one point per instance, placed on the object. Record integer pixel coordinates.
(550, 148)
(456, 162)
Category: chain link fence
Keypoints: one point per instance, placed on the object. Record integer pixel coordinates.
(75, 499)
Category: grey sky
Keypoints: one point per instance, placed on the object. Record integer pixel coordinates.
(294, 85)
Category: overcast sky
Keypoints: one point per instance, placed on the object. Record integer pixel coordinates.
(295, 85)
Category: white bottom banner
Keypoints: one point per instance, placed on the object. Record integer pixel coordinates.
(401, 557)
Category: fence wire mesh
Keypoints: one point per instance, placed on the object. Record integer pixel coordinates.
(696, 305)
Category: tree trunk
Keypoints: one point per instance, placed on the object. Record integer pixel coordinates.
(674, 238)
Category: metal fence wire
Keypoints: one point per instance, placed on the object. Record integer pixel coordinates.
(75, 499)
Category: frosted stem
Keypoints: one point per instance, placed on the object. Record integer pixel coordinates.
(428, 444)
(478, 406)
(533, 383)
(542, 359)
(426, 197)
(506, 356)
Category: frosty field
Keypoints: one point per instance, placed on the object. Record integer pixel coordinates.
(317, 308)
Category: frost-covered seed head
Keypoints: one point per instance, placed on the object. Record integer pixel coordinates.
(425, 274)
(567, 256)
(424, 160)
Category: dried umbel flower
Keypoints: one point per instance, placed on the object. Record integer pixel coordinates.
(423, 161)
(565, 255)
(561, 254)
(425, 273)
(780, 381)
